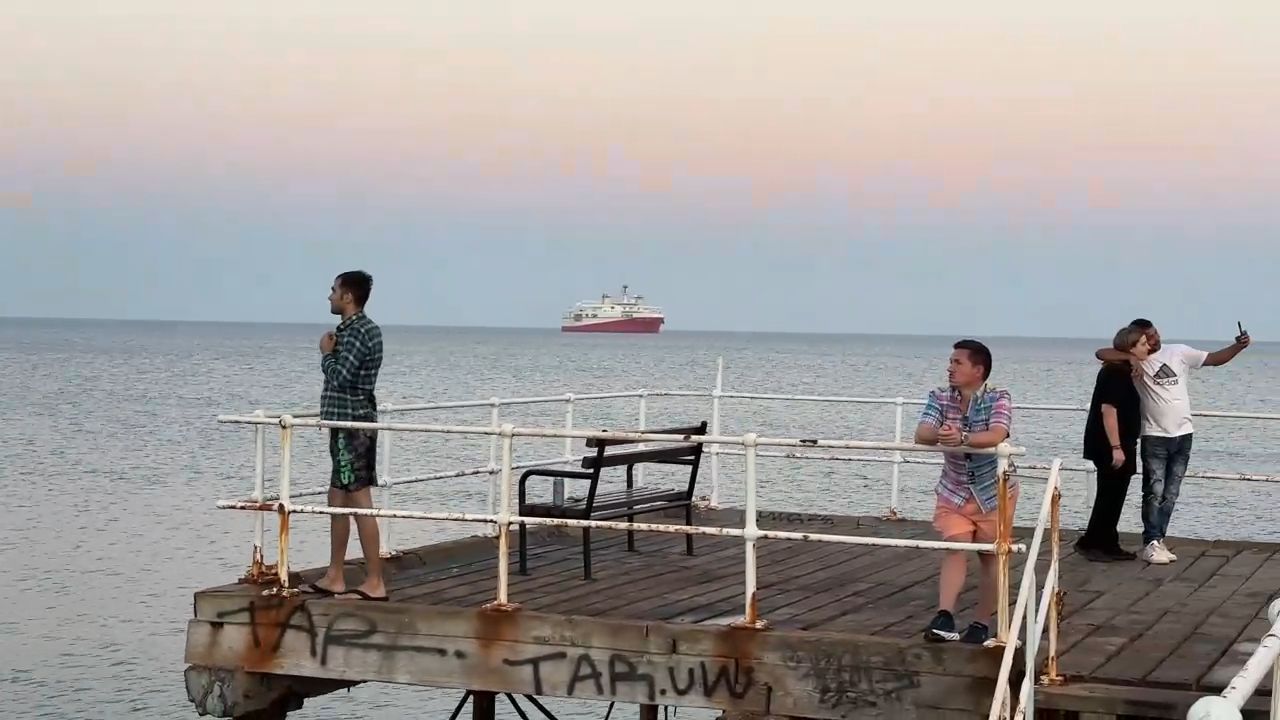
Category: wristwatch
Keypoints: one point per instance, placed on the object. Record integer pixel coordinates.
(964, 438)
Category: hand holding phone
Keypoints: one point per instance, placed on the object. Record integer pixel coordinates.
(1243, 337)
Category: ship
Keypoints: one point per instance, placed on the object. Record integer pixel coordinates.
(627, 314)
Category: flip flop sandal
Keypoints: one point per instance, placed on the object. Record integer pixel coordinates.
(362, 595)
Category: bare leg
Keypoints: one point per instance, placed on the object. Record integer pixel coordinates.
(951, 577)
(369, 542)
(339, 535)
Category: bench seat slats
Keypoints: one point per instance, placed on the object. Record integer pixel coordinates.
(607, 502)
(633, 498)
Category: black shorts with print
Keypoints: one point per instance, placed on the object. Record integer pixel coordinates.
(355, 458)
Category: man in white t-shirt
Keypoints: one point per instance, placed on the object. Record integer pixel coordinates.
(1161, 380)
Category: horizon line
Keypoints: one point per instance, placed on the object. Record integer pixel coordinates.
(545, 328)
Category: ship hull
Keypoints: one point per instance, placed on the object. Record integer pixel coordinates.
(621, 325)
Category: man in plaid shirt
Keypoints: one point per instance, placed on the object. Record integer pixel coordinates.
(968, 413)
(351, 356)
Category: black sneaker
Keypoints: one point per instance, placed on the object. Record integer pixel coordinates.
(1118, 553)
(976, 634)
(942, 629)
(1095, 555)
(1090, 553)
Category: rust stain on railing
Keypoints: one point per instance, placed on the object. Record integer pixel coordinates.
(259, 572)
(752, 620)
(282, 588)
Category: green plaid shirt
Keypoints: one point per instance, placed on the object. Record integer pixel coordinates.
(351, 372)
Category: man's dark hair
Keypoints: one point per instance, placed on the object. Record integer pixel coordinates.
(357, 282)
(978, 355)
(1142, 324)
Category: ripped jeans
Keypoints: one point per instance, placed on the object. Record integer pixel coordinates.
(1164, 463)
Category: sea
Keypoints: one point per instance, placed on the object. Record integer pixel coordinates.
(116, 461)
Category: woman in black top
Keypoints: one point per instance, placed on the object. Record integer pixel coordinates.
(1111, 442)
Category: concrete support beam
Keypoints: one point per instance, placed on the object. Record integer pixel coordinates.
(222, 693)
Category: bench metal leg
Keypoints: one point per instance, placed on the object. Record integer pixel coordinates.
(524, 549)
(631, 535)
(586, 553)
(688, 520)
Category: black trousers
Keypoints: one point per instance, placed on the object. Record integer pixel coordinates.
(1108, 503)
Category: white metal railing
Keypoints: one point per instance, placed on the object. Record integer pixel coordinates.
(1037, 623)
(504, 518)
(1265, 658)
(386, 481)
(499, 519)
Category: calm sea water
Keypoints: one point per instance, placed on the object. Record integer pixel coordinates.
(115, 463)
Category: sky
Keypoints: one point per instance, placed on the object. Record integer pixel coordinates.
(932, 167)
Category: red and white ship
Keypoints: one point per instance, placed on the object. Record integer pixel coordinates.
(627, 314)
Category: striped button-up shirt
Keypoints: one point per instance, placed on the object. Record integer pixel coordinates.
(963, 474)
(351, 371)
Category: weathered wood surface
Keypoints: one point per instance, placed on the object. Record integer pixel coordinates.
(1182, 627)
(1116, 702)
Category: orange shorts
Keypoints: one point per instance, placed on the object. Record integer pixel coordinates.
(968, 523)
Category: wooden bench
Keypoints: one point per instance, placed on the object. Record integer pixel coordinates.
(618, 503)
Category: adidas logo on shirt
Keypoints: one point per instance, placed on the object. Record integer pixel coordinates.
(1165, 376)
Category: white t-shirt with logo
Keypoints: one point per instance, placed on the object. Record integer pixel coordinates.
(1166, 407)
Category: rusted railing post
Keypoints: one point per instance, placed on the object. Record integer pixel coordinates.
(384, 524)
(282, 506)
(897, 459)
(504, 523)
(750, 533)
(257, 563)
(643, 412)
(557, 484)
(1051, 676)
(715, 430)
(1031, 647)
(495, 404)
(1004, 538)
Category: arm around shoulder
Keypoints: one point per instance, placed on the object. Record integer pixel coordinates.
(1108, 354)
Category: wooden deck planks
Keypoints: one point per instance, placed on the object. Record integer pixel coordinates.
(1186, 626)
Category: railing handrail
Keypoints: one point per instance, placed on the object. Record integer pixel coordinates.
(504, 518)
(724, 394)
(289, 421)
(1266, 657)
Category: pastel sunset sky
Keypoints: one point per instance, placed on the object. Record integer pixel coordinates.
(916, 167)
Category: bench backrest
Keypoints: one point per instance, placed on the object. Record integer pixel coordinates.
(637, 456)
(699, 429)
(681, 453)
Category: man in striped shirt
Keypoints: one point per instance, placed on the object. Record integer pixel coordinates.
(351, 357)
(969, 413)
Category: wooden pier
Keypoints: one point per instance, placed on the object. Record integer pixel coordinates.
(654, 627)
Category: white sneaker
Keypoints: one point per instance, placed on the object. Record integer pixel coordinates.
(1154, 555)
(1168, 553)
